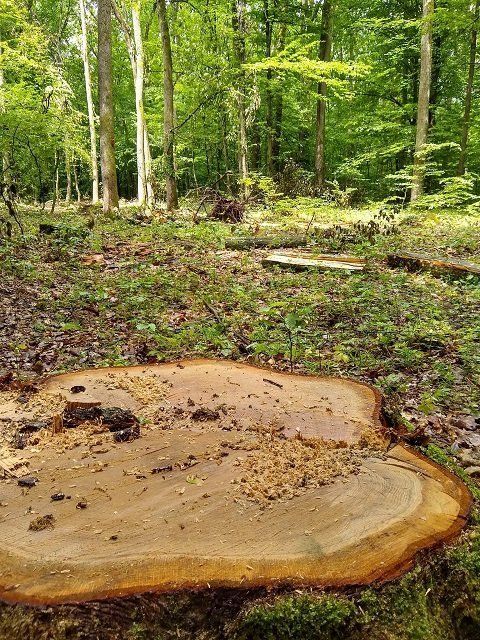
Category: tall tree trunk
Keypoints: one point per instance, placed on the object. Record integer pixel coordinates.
(278, 114)
(225, 153)
(107, 138)
(75, 177)
(238, 24)
(68, 171)
(90, 108)
(419, 162)
(56, 183)
(136, 55)
(468, 92)
(168, 109)
(324, 54)
(256, 147)
(148, 168)
(139, 84)
(277, 132)
(6, 175)
(269, 96)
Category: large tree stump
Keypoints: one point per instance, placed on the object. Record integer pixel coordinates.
(161, 513)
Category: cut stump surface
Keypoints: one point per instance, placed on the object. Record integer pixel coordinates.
(160, 513)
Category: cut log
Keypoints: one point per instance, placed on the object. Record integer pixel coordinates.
(420, 261)
(305, 261)
(270, 242)
(167, 511)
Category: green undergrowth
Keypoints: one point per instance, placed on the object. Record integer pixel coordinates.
(415, 336)
(439, 600)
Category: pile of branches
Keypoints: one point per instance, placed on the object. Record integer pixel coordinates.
(227, 209)
(221, 208)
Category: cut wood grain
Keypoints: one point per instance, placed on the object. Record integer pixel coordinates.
(420, 261)
(12, 467)
(270, 242)
(305, 261)
(163, 514)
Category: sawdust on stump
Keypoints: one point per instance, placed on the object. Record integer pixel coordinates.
(42, 522)
(241, 477)
(280, 468)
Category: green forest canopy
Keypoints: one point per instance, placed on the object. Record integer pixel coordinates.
(273, 60)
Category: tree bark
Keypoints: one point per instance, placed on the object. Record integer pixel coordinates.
(139, 85)
(238, 25)
(56, 185)
(419, 162)
(75, 177)
(148, 168)
(136, 55)
(278, 114)
(90, 108)
(107, 138)
(256, 146)
(6, 174)
(68, 171)
(324, 54)
(468, 92)
(168, 109)
(269, 96)
(225, 153)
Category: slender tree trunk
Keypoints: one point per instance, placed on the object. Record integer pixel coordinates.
(435, 81)
(68, 171)
(225, 153)
(168, 109)
(107, 137)
(90, 108)
(75, 177)
(278, 110)
(148, 168)
(269, 96)
(6, 175)
(325, 54)
(139, 75)
(278, 132)
(419, 162)
(238, 24)
(468, 92)
(256, 146)
(56, 179)
(57, 176)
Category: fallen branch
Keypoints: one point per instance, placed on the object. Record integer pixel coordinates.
(271, 242)
(420, 262)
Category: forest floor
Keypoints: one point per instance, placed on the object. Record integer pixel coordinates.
(126, 292)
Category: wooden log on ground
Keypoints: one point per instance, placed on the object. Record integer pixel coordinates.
(269, 242)
(413, 261)
(169, 511)
(305, 261)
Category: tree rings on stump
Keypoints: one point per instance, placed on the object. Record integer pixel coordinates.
(168, 510)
